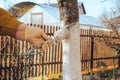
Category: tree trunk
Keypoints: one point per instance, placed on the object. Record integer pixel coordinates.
(71, 46)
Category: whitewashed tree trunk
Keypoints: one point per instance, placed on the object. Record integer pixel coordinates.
(69, 16)
(71, 55)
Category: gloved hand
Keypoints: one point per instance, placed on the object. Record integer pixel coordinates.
(36, 36)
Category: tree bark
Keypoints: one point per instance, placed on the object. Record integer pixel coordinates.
(71, 45)
(68, 11)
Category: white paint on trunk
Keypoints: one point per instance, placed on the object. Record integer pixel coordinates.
(71, 55)
(70, 34)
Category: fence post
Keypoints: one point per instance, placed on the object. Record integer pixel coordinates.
(119, 59)
(92, 51)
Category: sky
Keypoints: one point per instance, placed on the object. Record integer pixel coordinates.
(96, 7)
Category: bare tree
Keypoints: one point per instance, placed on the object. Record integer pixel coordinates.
(111, 19)
(8, 3)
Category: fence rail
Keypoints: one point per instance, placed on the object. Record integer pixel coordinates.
(93, 53)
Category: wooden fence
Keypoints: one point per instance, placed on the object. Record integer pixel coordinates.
(15, 66)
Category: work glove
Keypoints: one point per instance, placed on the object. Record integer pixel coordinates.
(37, 37)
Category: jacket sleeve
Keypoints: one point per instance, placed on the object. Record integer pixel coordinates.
(8, 23)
